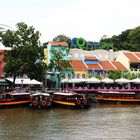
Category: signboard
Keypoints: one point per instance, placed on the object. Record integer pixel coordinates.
(81, 43)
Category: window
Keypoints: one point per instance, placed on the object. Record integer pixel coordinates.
(77, 75)
(83, 76)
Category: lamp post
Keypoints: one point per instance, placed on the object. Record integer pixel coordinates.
(22, 82)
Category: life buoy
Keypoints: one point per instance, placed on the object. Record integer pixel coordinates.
(35, 103)
(44, 103)
(78, 102)
(85, 101)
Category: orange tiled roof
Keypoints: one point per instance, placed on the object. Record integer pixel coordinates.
(132, 57)
(91, 57)
(106, 65)
(54, 43)
(94, 67)
(78, 65)
(118, 65)
(138, 55)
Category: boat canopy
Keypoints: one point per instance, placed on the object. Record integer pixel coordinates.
(107, 81)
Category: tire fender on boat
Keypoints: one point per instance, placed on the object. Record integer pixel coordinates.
(78, 102)
(35, 103)
(44, 103)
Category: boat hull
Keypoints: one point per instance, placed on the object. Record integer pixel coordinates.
(15, 103)
(115, 100)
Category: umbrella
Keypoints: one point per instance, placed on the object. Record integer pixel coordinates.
(135, 81)
(77, 80)
(122, 81)
(64, 80)
(93, 80)
(108, 81)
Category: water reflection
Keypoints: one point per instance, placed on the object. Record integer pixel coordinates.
(100, 121)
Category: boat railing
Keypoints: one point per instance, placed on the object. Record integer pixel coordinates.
(121, 89)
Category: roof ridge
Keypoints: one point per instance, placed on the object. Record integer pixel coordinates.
(85, 64)
(100, 65)
(135, 55)
(113, 65)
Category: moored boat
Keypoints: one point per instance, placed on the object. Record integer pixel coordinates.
(120, 90)
(41, 100)
(116, 96)
(70, 99)
(14, 98)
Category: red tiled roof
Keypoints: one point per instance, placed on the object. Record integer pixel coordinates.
(106, 65)
(118, 65)
(91, 57)
(94, 67)
(78, 65)
(1, 55)
(132, 57)
(54, 43)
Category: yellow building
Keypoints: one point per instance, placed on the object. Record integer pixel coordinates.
(131, 60)
(79, 68)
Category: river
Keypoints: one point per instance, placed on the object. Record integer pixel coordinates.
(109, 122)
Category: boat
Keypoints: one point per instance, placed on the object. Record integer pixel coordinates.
(117, 96)
(41, 100)
(121, 90)
(14, 98)
(70, 99)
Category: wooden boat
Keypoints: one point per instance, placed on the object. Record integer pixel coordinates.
(70, 99)
(117, 96)
(121, 90)
(41, 100)
(14, 98)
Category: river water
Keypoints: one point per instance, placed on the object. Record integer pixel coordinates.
(109, 122)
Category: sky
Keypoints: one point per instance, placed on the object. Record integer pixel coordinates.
(90, 19)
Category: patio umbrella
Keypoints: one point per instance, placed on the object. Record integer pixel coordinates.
(93, 80)
(77, 80)
(122, 81)
(64, 80)
(135, 81)
(107, 81)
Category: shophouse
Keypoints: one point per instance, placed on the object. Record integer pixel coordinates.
(131, 60)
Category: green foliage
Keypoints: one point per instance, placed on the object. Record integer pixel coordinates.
(57, 63)
(26, 56)
(61, 38)
(119, 74)
(127, 40)
(98, 76)
(114, 74)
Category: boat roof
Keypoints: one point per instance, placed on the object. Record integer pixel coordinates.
(115, 92)
(41, 93)
(65, 93)
(18, 93)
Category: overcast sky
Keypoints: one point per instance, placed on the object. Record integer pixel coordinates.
(90, 19)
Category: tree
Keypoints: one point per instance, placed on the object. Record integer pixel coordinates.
(26, 54)
(114, 74)
(58, 64)
(134, 36)
(61, 38)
